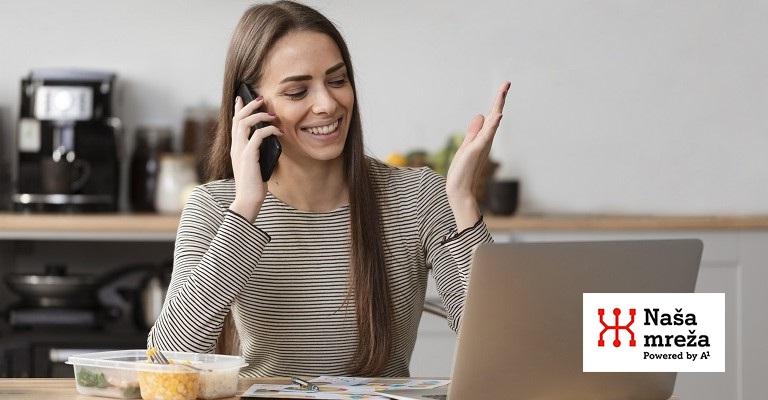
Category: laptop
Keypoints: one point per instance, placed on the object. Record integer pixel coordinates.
(521, 331)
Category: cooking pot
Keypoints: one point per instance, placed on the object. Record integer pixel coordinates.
(56, 288)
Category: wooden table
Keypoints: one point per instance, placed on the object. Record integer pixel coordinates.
(64, 388)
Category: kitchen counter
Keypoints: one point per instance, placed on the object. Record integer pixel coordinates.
(98, 227)
(156, 227)
(622, 222)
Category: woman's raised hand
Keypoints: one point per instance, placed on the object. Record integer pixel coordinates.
(465, 170)
(250, 190)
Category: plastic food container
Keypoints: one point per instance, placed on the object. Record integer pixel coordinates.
(108, 373)
(128, 374)
(218, 380)
(168, 382)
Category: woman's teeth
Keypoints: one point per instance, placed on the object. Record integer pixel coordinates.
(323, 130)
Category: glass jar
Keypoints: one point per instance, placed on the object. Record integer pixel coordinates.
(145, 166)
(197, 134)
(176, 179)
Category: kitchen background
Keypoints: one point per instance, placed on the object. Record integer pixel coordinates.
(616, 107)
(632, 107)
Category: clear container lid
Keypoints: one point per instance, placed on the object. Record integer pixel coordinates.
(138, 360)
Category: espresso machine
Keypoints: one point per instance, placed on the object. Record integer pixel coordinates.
(68, 143)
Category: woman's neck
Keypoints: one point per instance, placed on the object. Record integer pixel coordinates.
(319, 187)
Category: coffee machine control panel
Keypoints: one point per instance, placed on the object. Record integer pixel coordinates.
(64, 103)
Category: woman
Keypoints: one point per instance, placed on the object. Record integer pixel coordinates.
(324, 267)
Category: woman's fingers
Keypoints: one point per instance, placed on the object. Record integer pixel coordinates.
(242, 110)
(473, 152)
(243, 120)
(497, 109)
(251, 121)
(501, 98)
(490, 124)
(260, 134)
(475, 125)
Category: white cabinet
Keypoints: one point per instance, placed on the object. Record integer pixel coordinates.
(734, 262)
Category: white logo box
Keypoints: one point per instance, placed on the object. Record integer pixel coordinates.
(673, 332)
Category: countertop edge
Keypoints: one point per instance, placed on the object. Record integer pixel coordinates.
(625, 222)
(163, 227)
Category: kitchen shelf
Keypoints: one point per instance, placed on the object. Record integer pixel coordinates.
(89, 227)
(624, 222)
(158, 227)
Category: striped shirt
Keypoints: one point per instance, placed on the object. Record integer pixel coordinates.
(286, 276)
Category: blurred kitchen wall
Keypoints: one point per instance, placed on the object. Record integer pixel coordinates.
(638, 107)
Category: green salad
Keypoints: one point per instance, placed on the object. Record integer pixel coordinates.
(92, 379)
(98, 380)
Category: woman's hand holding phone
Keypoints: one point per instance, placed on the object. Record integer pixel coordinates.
(269, 149)
(250, 187)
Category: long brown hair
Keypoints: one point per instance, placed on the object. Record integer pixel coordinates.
(260, 27)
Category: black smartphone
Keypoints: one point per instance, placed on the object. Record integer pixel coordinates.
(270, 148)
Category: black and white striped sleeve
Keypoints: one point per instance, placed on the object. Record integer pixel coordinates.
(448, 252)
(215, 253)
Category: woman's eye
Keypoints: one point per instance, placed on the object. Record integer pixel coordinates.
(339, 82)
(296, 95)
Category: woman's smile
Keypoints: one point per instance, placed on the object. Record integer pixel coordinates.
(323, 130)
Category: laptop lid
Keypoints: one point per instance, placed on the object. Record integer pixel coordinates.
(521, 331)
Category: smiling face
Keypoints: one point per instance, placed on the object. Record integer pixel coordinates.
(305, 84)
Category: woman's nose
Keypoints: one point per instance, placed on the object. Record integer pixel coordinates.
(324, 102)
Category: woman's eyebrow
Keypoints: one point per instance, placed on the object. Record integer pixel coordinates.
(335, 68)
(297, 78)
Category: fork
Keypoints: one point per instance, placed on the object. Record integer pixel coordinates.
(157, 357)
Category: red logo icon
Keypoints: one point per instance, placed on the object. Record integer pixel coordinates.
(616, 327)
